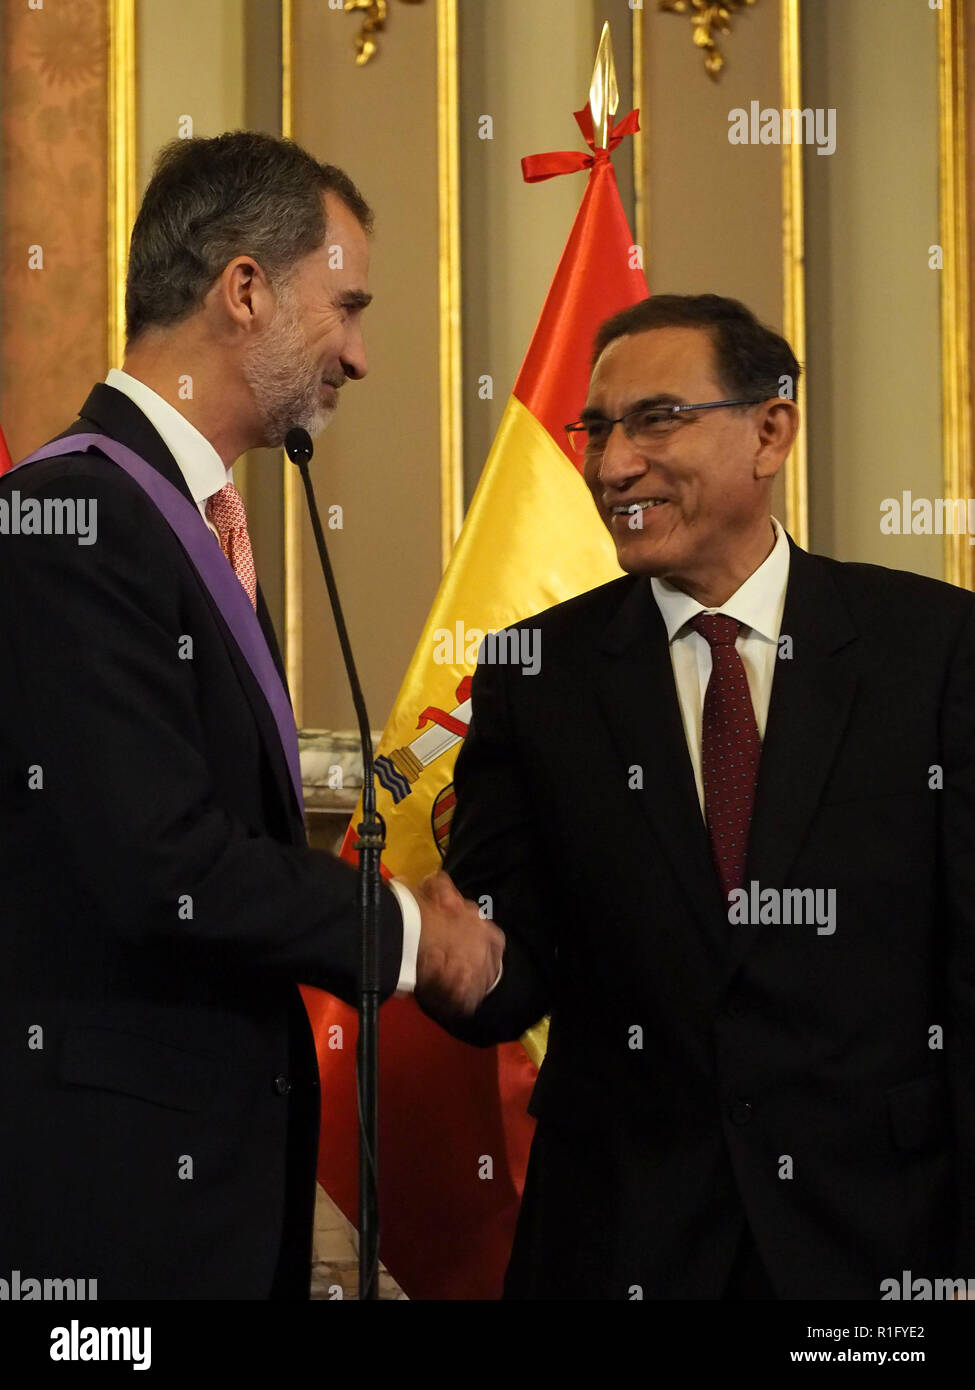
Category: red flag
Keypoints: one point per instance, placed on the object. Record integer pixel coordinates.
(454, 1132)
(5, 460)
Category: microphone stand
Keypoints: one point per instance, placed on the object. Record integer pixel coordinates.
(372, 838)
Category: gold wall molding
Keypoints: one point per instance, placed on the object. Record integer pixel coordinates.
(956, 400)
(376, 13)
(448, 219)
(706, 20)
(292, 494)
(121, 165)
(794, 265)
(641, 192)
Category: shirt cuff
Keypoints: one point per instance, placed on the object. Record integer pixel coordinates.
(498, 980)
(410, 909)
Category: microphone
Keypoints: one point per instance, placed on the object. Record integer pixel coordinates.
(299, 448)
(370, 843)
(298, 444)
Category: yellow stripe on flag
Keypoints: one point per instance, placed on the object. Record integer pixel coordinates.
(531, 538)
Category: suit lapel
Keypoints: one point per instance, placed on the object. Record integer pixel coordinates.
(119, 417)
(638, 698)
(811, 699)
(812, 694)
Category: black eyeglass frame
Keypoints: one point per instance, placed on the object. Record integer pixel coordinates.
(577, 426)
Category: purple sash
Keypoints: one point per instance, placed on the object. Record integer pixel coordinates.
(214, 570)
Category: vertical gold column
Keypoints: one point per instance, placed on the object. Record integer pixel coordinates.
(293, 565)
(956, 408)
(448, 219)
(793, 263)
(641, 190)
(121, 165)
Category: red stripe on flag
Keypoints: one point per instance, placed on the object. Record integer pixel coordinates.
(446, 1230)
(598, 275)
(6, 461)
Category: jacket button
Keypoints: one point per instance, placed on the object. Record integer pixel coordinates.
(282, 1085)
(741, 1112)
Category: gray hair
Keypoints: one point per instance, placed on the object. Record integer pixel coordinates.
(211, 199)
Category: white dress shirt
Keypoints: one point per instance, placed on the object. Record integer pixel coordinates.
(204, 472)
(758, 605)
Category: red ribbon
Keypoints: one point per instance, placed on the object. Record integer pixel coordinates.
(536, 167)
(442, 718)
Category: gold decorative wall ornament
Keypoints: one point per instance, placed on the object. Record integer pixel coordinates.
(706, 18)
(375, 14)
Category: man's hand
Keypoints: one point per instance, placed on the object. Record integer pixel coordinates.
(459, 953)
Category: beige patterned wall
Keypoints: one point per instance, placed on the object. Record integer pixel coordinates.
(715, 208)
(528, 67)
(55, 165)
(874, 318)
(380, 458)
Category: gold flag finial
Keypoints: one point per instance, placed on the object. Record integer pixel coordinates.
(604, 95)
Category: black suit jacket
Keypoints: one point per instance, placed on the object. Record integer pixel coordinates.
(160, 906)
(700, 1073)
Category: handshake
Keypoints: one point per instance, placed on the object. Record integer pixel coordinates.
(459, 954)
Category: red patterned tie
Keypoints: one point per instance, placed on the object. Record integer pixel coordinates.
(225, 509)
(730, 750)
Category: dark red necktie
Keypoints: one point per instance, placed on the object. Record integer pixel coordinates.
(730, 750)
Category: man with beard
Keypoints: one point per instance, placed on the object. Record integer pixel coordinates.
(161, 904)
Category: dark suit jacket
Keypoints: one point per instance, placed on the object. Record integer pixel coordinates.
(160, 905)
(700, 1073)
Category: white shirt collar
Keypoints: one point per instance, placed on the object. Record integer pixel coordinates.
(198, 460)
(758, 603)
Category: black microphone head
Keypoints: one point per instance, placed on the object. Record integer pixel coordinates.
(298, 445)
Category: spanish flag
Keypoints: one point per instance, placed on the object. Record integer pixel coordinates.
(454, 1133)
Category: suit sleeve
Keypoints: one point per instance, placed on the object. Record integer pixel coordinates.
(496, 853)
(959, 870)
(103, 724)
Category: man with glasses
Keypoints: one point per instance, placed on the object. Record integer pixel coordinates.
(728, 830)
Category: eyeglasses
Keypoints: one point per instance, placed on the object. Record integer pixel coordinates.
(642, 425)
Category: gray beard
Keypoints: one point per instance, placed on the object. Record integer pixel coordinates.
(285, 387)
